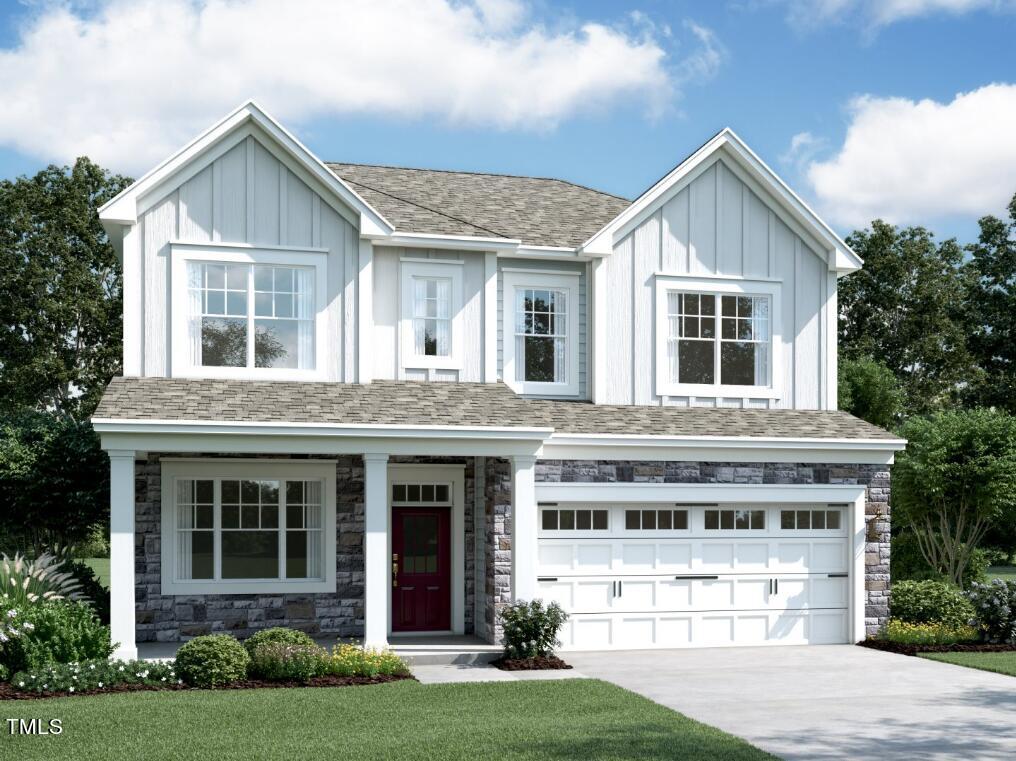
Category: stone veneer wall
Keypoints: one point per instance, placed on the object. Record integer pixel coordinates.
(172, 618)
(874, 477)
(498, 546)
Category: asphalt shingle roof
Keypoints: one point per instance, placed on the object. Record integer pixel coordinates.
(488, 405)
(536, 210)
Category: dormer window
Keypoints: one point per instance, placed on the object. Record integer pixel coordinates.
(432, 329)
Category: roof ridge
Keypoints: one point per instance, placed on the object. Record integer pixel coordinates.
(480, 174)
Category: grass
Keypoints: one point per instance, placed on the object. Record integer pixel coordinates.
(1001, 663)
(1007, 572)
(101, 568)
(566, 719)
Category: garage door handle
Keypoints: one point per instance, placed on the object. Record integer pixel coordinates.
(546, 578)
(837, 575)
(696, 576)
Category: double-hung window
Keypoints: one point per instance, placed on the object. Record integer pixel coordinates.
(431, 314)
(541, 326)
(248, 526)
(717, 338)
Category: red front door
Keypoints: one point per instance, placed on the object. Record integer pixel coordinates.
(421, 569)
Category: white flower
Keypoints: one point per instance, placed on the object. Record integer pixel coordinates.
(12, 613)
(121, 668)
(28, 626)
(45, 686)
(91, 666)
(72, 689)
(100, 684)
(164, 679)
(3, 637)
(21, 684)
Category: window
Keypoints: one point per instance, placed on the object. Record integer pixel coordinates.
(431, 313)
(735, 520)
(244, 527)
(541, 332)
(243, 312)
(810, 520)
(573, 520)
(716, 338)
(656, 520)
(422, 493)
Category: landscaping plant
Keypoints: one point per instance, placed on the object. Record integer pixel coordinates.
(277, 635)
(937, 633)
(25, 581)
(353, 660)
(95, 675)
(279, 661)
(929, 602)
(49, 631)
(212, 660)
(995, 606)
(530, 628)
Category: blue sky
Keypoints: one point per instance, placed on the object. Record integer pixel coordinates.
(869, 89)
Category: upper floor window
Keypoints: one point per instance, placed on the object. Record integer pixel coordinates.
(716, 342)
(541, 332)
(431, 314)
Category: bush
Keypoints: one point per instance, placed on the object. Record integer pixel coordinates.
(352, 660)
(95, 675)
(212, 660)
(907, 562)
(277, 661)
(928, 634)
(90, 588)
(278, 635)
(929, 602)
(995, 607)
(48, 632)
(530, 628)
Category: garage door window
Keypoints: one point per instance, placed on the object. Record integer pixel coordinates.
(655, 520)
(810, 520)
(735, 520)
(574, 520)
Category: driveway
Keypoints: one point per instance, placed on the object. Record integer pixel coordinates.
(826, 702)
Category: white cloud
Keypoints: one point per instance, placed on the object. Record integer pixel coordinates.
(131, 80)
(912, 161)
(804, 147)
(873, 14)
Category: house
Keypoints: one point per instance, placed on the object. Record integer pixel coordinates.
(371, 401)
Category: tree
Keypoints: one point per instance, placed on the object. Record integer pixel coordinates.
(992, 309)
(956, 479)
(904, 308)
(869, 390)
(60, 294)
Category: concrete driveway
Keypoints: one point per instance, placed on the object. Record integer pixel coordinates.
(826, 702)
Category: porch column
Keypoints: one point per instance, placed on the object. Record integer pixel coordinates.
(376, 560)
(121, 553)
(524, 528)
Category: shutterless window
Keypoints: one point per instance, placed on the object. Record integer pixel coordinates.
(574, 520)
(244, 315)
(541, 335)
(655, 520)
(422, 493)
(229, 528)
(432, 316)
(735, 520)
(810, 520)
(718, 336)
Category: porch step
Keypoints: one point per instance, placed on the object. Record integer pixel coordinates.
(440, 651)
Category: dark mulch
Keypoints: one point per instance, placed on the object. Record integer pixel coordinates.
(907, 649)
(539, 663)
(10, 692)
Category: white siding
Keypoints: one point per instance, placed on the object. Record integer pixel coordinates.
(716, 225)
(248, 196)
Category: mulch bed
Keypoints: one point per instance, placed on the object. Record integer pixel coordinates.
(539, 663)
(907, 649)
(10, 692)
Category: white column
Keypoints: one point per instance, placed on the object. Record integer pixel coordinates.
(524, 528)
(377, 561)
(121, 552)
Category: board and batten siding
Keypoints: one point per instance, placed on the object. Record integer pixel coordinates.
(248, 196)
(717, 226)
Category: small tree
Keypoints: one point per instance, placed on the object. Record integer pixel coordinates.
(956, 479)
(870, 390)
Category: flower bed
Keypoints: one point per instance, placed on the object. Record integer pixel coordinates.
(908, 648)
(536, 663)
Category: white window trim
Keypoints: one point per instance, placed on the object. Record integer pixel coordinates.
(409, 269)
(719, 287)
(181, 253)
(175, 469)
(513, 280)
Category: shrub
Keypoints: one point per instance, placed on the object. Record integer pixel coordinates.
(928, 634)
(275, 660)
(95, 675)
(530, 628)
(91, 589)
(995, 607)
(278, 635)
(25, 581)
(212, 660)
(48, 632)
(352, 660)
(929, 602)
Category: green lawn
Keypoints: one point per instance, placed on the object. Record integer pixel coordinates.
(1007, 572)
(1003, 663)
(101, 568)
(568, 719)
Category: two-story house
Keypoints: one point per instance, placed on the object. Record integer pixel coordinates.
(373, 401)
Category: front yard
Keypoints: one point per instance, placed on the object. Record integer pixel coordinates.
(568, 719)
(1002, 663)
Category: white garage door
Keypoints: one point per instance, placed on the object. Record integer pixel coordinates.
(641, 576)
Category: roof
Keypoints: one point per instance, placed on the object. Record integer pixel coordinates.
(538, 211)
(483, 405)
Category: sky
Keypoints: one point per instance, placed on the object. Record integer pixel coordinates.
(903, 110)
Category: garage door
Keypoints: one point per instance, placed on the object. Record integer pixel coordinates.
(642, 576)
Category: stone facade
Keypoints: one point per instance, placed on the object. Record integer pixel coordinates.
(874, 477)
(172, 618)
(498, 566)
